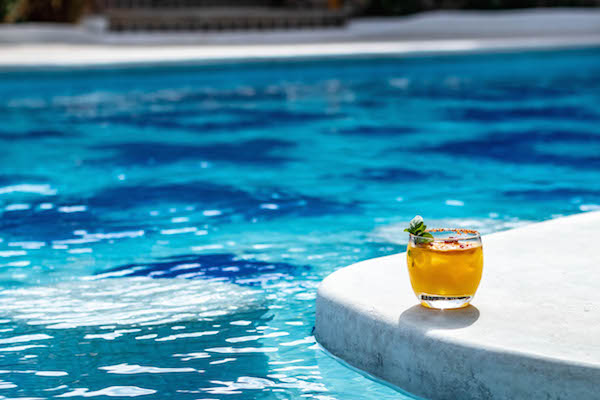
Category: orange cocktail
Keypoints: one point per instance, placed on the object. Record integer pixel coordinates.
(445, 269)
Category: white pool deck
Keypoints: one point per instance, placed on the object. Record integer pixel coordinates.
(532, 332)
(89, 44)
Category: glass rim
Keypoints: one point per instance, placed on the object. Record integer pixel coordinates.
(462, 234)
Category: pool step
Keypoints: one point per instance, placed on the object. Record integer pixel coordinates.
(532, 330)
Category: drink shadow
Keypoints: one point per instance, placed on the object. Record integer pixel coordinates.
(426, 319)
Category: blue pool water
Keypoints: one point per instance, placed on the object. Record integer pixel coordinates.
(163, 230)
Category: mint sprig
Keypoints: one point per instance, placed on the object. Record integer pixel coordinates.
(417, 227)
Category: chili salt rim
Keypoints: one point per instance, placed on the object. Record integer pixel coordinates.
(464, 234)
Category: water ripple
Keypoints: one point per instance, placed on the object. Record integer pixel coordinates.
(41, 189)
(111, 391)
(127, 369)
(216, 265)
(121, 301)
(25, 338)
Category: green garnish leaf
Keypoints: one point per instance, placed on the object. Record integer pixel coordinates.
(415, 225)
(417, 228)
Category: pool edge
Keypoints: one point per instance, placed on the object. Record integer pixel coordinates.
(362, 335)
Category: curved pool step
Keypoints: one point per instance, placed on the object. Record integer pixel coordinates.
(533, 330)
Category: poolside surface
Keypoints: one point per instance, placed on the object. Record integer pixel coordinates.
(47, 45)
(531, 331)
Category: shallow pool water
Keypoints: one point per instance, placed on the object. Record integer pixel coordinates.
(163, 230)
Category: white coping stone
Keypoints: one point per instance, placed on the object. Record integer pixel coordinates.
(532, 332)
(83, 55)
(431, 25)
(440, 32)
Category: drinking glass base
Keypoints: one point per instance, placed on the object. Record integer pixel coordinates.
(444, 302)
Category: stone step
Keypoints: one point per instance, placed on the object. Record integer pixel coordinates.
(532, 332)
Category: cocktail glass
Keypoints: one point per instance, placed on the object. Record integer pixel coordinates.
(445, 270)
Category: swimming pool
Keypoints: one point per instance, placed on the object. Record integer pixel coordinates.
(164, 229)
